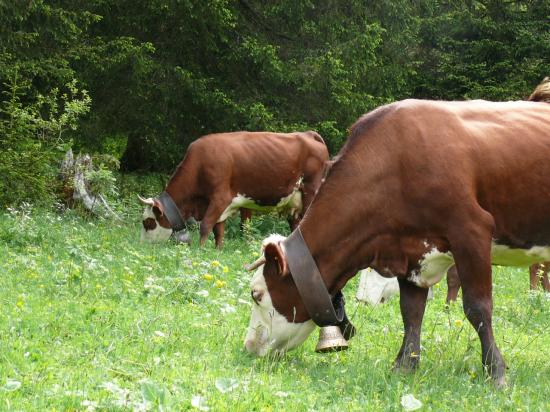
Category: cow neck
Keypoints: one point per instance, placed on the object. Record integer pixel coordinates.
(329, 250)
(185, 180)
(178, 188)
(309, 282)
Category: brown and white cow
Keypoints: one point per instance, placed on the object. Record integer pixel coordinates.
(226, 172)
(420, 186)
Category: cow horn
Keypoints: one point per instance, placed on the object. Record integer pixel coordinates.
(148, 202)
(255, 264)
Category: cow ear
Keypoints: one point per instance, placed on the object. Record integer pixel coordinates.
(158, 209)
(274, 253)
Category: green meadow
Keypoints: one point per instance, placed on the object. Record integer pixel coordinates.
(94, 320)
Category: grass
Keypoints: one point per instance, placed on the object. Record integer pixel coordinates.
(92, 319)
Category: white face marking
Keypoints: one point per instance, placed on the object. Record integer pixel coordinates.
(268, 329)
(291, 204)
(374, 288)
(159, 233)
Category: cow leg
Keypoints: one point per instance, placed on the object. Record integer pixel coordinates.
(453, 285)
(534, 276)
(219, 230)
(412, 300)
(346, 327)
(472, 252)
(538, 272)
(544, 280)
(246, 214)
(215, 209)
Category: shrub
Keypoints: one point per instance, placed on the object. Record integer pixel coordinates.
(32, 141)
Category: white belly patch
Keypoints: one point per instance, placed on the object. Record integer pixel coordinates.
(291, 205)
(435, 264)
(433, 267)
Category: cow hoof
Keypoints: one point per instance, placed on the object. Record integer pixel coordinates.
(183, 237)
(403, 370)
(406, 365)
(500, 383)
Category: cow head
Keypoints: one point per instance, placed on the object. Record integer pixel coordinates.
(156, 227)
(279, 321)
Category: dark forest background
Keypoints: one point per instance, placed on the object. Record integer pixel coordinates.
(137, 81)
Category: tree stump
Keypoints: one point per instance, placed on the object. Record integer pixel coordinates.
(76, 188)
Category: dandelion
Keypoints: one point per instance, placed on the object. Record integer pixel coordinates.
(215, 263)
(225, 269)
(458, 323)
(220, 283)
(208, 276)
(20, 302)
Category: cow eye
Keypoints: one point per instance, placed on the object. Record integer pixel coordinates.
(256, 296)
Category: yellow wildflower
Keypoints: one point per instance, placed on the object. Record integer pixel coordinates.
(215, 263)
(208, 276)
(458, 323)
(220, 283)
(225, 269)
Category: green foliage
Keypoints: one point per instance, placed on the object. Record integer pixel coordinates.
(258, 227)
(483, 49)
(163, 73)
(102, 181)
(31, 140)
(201, 67)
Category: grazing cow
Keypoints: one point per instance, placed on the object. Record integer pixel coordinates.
(222, 173)
(418, 186)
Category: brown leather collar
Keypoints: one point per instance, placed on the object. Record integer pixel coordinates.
(309, 282)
